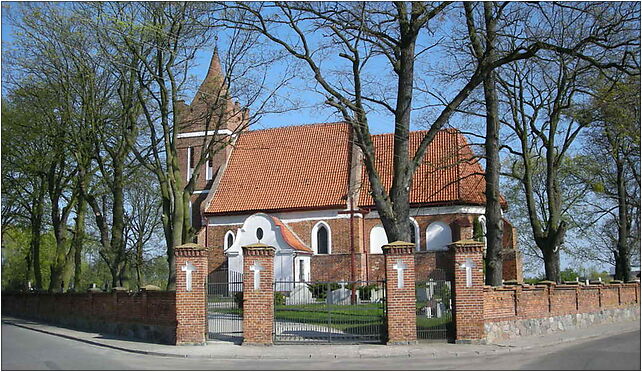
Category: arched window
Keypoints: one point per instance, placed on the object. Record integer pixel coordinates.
(414, 233)
(438, 236)
(378, 238)
(228, 240)
(321, 238)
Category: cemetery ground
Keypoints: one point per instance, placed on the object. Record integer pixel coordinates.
(29, 345)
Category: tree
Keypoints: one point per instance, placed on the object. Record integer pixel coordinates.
(611, 168)
(388, 37)
(162, 39)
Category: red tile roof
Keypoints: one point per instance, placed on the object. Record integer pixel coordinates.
(290, 237)
(448, 174)
(308, 167)
(297, 167)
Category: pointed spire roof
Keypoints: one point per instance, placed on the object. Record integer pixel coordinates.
(211, 85)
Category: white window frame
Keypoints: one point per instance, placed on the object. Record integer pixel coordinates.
(417, 234)
(190, 170)
(428, 249)
(208, 169)
(225, 246)
(371, 248)
(314, 237)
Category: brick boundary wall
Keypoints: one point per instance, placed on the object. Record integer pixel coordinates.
(524, 310)
(400, 302)
(258, 303)
(146, 315)
(191, 304)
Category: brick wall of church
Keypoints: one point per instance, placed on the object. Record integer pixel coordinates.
(337, 266)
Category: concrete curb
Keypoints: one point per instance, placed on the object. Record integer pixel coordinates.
(416, 352)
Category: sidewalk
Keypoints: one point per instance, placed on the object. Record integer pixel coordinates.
(222, 350)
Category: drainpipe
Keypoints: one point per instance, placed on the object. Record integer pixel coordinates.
(353, 269)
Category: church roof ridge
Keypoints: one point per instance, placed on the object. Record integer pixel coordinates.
(296, 126)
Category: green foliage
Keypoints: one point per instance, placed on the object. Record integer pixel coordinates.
(15, 247)
(279, 298)
(320, 290)
(478, 231)
(569, 274)
(364, 291)
(238, 299)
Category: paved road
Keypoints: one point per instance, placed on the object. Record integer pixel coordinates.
(25, 349)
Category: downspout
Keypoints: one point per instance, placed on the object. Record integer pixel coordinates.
(353, 269)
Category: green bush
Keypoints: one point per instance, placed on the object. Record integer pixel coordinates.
(320, 290)
(279, 298)
(364, 291)
(238, 298)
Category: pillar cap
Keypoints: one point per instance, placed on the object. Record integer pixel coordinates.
(467, 245)
(258, 249)
(398, 247)
(190, 249)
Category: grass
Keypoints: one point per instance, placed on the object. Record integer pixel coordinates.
(359, 319)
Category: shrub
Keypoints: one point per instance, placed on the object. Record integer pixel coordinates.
(279, 298)
(238, 298)
(320, 290)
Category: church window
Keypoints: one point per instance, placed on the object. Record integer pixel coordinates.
(321, 238)
(208, 168)
(438, 236)
(190, 162)
(414, 233)
(259, 233)
(378, 238)
(228, 240)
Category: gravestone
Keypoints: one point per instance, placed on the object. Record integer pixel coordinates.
(300, 295)
(376, 295)
(341, 296)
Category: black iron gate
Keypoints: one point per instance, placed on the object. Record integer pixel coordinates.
(434, 308)
(329, 312)
(224, 306)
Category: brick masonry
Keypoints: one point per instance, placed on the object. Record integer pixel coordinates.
(522, 310)
(468, 301)
(336, 266)
(191, 305)
(258, 303)
(146, 315)
(400, 302)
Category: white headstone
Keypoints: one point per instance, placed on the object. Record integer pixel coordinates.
(257, 268)
(341, 296)
(400, 266)
(300, 295)
(188, 269)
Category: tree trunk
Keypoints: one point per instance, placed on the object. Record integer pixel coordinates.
(36, 229)
(623, 261)
(552, 264)
(78, 241)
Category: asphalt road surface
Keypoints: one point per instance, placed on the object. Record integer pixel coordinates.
(24, 349)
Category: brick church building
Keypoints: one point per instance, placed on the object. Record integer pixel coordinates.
(304, 190)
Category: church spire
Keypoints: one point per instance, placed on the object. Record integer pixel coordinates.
(214, 83)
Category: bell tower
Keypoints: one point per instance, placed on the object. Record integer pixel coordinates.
(208, 127)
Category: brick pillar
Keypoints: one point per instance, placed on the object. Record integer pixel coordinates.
(400, 302)
(258, 302)
(468, 293)
(191, 294)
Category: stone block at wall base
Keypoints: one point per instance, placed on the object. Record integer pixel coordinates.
(504, 330)
(471, 342)
(415, 342)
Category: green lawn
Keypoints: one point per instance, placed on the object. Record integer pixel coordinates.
(360, 319)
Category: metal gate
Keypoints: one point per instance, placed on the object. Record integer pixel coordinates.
(434, 308)
(329, 312)
(224, 306)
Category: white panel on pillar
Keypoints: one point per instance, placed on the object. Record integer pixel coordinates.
(188, 268)
(257, 268)
(400, 266)
(469, 266)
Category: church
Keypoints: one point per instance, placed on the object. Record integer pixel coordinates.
(304, 190)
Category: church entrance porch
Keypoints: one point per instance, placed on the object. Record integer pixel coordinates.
(329, 312)
(224, 306)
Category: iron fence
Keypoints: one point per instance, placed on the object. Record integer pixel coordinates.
(434, 308)
(224, 306)
(329, 312)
